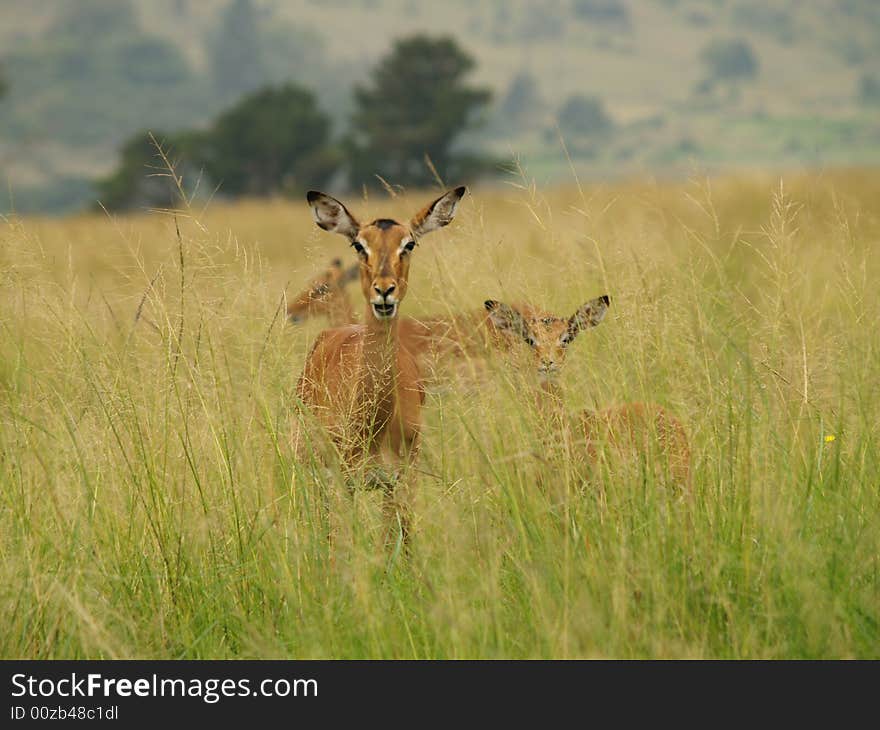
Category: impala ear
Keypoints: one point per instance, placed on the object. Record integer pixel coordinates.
(588, 315)
(507, 319)
(438, 214)
(331, 215)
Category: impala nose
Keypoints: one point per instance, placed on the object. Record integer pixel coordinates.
(384, 293)
(384, 304)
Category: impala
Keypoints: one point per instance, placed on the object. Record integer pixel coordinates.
(629, 428)
(326, 296)
(360, 380)
(429, 338)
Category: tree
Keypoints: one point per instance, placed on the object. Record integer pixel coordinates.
(237, 62)
(729, 59)
(274, 139)
(869, 89)
(150, 60)
(522, 104)
(87, 21)
(141, 180)
(584, 116)
(608, 12)
(416, 105)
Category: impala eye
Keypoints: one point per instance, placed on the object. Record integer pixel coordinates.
(359, 247)
(407, 247)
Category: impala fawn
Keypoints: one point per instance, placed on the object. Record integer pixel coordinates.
(362, 381)
(631, 429)
(326, 296)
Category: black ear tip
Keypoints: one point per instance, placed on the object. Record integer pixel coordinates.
(313, 195)
(605, 299)
(490, 304)
(460, 191)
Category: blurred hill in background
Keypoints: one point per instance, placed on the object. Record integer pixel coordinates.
(654, 86)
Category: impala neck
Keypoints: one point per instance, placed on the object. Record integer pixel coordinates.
(549, 401)
(341, 312)
(380, 349)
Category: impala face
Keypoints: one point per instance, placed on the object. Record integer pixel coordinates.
(320, 295)
(548, 336)
(383, 246)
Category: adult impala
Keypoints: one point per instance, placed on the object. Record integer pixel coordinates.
(463, 334)
(633, 428)
(360, 381)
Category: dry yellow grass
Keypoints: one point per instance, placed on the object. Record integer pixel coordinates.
(149, 507)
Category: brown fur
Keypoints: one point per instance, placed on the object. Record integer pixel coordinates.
(633, 429)
(363, 381)
(429, 338)
(325, 296)
(630, 429)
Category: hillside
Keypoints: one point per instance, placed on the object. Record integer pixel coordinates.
(77, 90)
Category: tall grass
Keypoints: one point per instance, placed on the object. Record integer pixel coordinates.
(149, 506)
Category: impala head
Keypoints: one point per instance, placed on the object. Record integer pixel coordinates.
(548, 336)
(322, 294)
(384, 246)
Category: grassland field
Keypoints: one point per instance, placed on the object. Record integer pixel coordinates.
(150, 507)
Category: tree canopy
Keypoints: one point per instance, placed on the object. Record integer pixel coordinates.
(584, 115)
(141, 180)
(522, 105)
(729, 59)
(275, 138)
(416, 105)
(272, 140)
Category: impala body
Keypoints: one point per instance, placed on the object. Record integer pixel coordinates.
(631, 428)
(454, 334)
(362, 381)
(326, 296)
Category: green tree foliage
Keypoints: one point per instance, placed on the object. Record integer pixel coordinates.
(277, 138)
(237, 61)
(151, 60)
(416, 105)
(607, 12)
(584, 116)
(274, 140)
(869, 89)
(522, 104)
(142, 179)
(729, 59)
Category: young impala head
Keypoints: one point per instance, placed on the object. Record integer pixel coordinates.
(323, 294)
(384, 245)
(547, 335)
